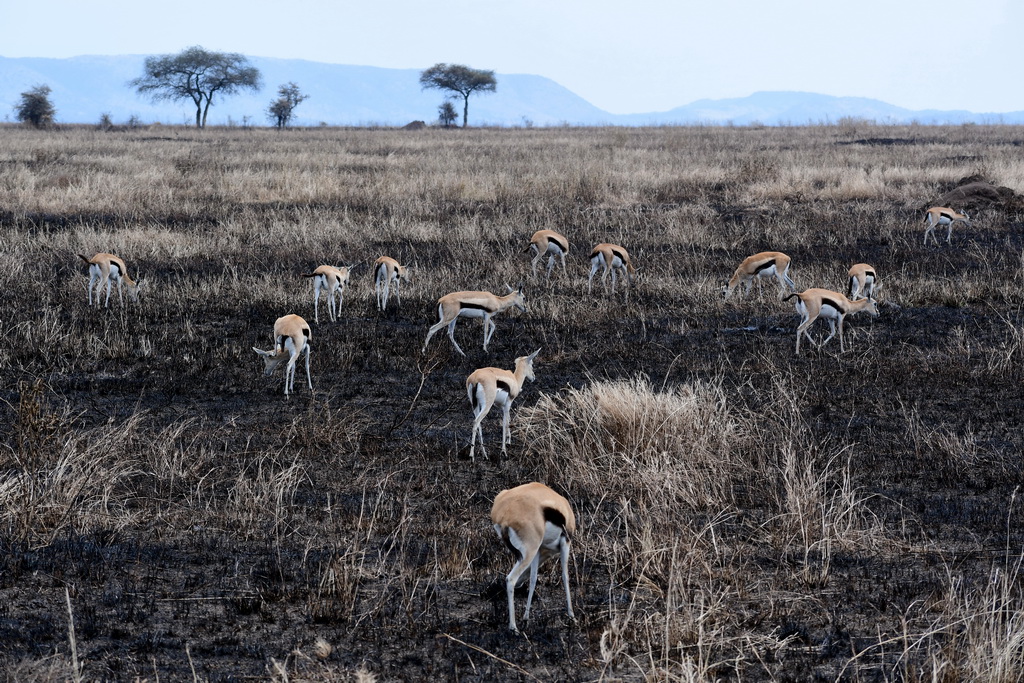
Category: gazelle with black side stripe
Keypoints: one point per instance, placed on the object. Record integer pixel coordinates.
(832, 306)
(451, 307)
(863, 282)
(333, 280)
(941, 215)
(535, 523)
(551, 243)
(765, 264)
(610, 257)
(110, 270)
(387, 272)
(291, 338)
(488, 386)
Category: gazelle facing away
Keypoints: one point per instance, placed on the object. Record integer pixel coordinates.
(110, 270)
(535, 523)
(451, 307)
(488, 386)
(291, 338)
(941, 215)
(334, 280)
(832, 306)
(386, 271)
(765, 264)
(863, 282)
(551, 243)
(610, 257)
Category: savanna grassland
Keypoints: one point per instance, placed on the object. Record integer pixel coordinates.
(744, 513)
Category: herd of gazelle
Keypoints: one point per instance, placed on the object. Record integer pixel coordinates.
(534, 521)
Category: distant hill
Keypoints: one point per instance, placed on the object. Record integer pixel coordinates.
(86, 87)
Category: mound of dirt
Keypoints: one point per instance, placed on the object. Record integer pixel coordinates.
(414, 125)
(974, 192)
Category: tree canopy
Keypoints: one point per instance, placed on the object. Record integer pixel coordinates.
(35, 107)
(282, 109)
(460, 79)
(196, 74)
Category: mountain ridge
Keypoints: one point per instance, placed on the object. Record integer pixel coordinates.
(88, 86)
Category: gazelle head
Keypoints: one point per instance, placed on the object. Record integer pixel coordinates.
(520, 300)
(134, 290)
(528, 364)
(271, 360)
(871, 307)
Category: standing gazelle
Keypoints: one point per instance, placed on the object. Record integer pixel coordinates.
(610, 257)
(863, 282)
(488, 386)
(812, 304)
(291, 338)
(765, 264)
(535, 523)
(110, 270)
(551, 243)
(451, 307)
(333, 280)
(941, 215)
(386, 271)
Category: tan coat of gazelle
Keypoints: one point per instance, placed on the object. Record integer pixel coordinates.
(535, 523)
(387, 272)
(610, 257)
(291, 338)
(942, 215)
(832, 306)
(764, 264)
(110, 270)
(451, 307)
(333, 280)
(551, 243)
(863, 282)
(488, 386)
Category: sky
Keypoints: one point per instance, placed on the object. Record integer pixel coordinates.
(624, 57)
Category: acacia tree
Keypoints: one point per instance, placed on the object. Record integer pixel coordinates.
(35, 107)
(446, 114)
(282, 109)
(196, 74)
(460, 79)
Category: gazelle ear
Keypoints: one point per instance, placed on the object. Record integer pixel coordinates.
(262, 352)
(533, 355)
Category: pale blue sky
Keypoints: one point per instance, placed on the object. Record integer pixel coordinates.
(624, 57)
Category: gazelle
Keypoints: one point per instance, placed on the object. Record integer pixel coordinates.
(488, 386)
(941, 215)
(551, 243)
(291, 338)
(863, 282)
(386, 271)
(535, 523)
(812, 304)
(610, 257)
(451, 307)
(110, 270)
(334, 280)
(765, 264)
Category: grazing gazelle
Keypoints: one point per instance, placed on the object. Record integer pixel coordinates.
(110, 269)
(610, 257)
(451, 307)
(291, 338)
(333, 280)
(863, 282)
(941, 215)
(535, 523)
(386, 271)
(488, 386)
(812, 304)
(765, 264)
(551, 243)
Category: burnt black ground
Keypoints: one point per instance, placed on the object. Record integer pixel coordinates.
(236, 595)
